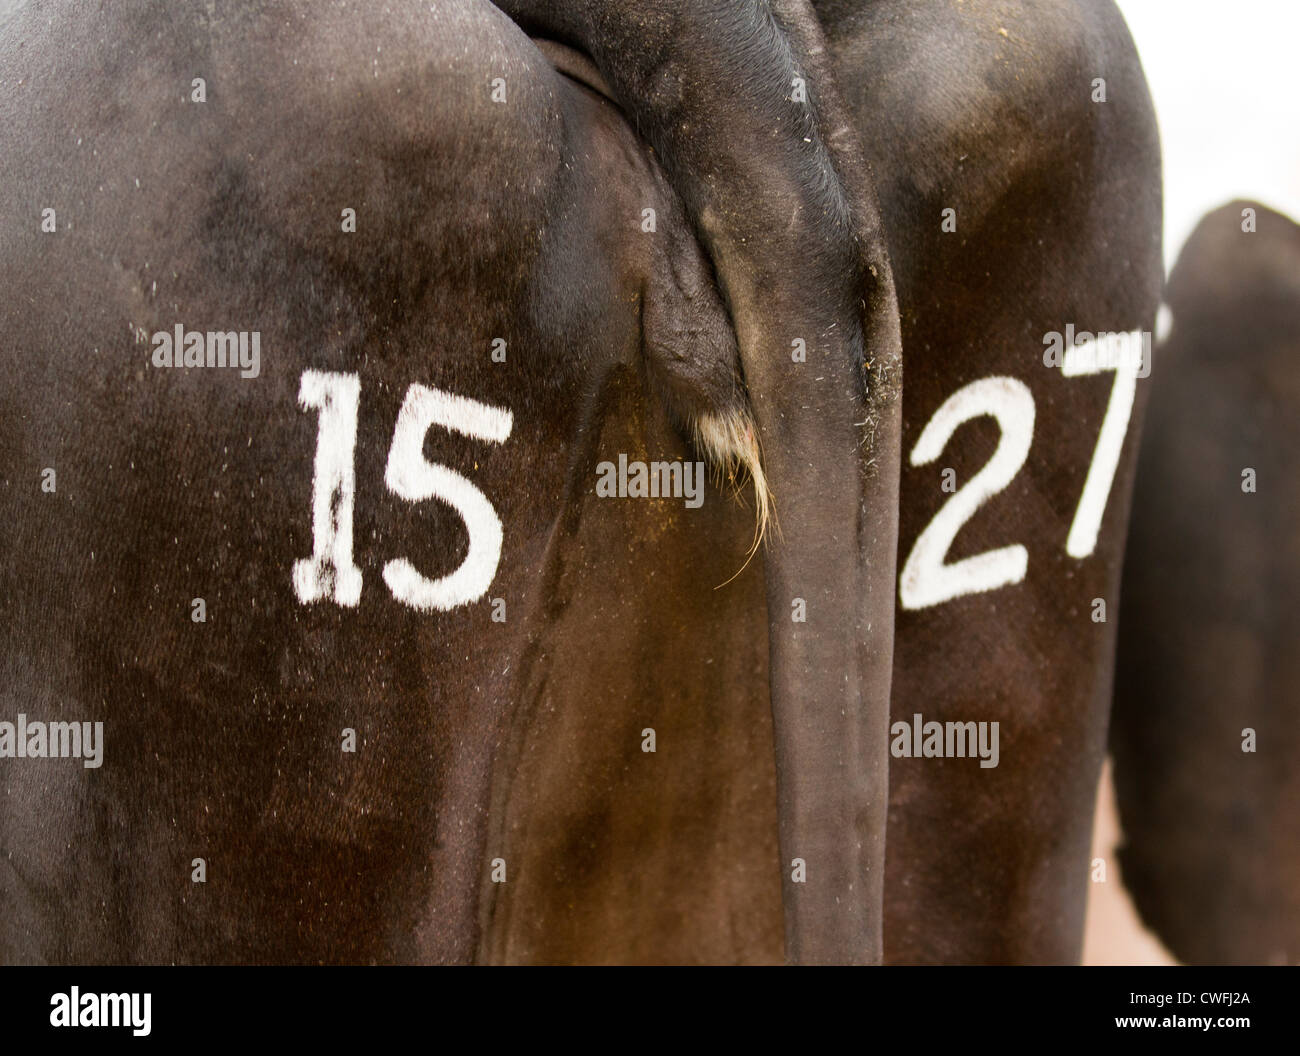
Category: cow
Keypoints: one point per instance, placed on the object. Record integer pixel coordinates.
(1019, 183)
(331, 183)
(245, 249)
(1204, 732)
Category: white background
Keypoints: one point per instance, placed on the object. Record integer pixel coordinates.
(1225, 77)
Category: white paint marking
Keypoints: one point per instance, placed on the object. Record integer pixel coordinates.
(412, 477)
(925, 579)
(330, 571)
(1164, 323)
(1121, 353)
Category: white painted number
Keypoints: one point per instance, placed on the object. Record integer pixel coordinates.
(330, 572)
(1122, 354)
(412, 477)
(925, 579)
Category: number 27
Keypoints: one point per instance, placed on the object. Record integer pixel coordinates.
(925, 579)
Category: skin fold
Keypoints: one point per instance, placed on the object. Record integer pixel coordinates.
(782, 201)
